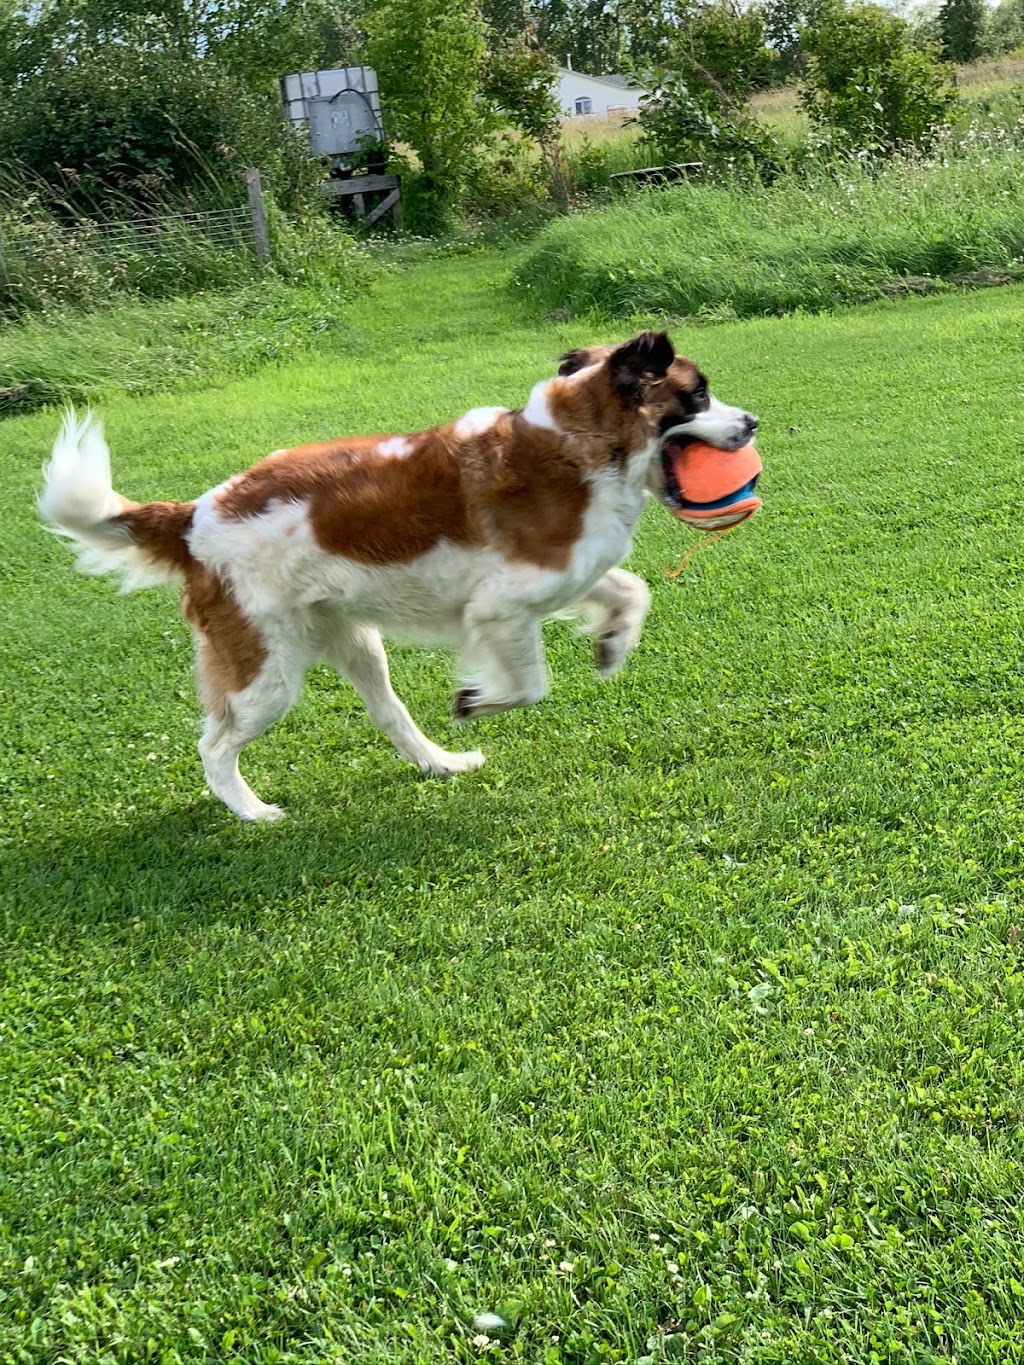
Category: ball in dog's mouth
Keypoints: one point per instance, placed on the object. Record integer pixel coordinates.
(707, 488)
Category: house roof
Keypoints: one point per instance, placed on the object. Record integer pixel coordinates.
(619, 82)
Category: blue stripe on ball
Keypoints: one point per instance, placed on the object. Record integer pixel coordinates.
(745, 492)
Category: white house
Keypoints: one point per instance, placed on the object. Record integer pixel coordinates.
(579, 94)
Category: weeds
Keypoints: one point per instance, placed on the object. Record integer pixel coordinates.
(165, 301)
(60, 256)
(165, 346)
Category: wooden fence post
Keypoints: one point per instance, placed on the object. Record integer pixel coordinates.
(260, 236)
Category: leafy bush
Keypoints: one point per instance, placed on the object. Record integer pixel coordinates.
(722, 51)
(451, 98)
(868, 87)
(254, 41)
(683, 123)
(137, 118)
(519, 81)
(785, 24)
(429, 56)
(508, 181)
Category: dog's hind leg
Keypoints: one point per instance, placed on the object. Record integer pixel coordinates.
(357, 653)
(234, 719)
(617, 605)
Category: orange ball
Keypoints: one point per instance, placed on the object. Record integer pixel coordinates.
(716, 487)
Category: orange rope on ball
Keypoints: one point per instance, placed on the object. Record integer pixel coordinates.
(709, 539)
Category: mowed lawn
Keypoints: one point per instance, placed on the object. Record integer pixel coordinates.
(689, 1028)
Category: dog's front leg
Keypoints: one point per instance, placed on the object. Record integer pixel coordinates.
(503, 659)
(617, 605)
(358, 654)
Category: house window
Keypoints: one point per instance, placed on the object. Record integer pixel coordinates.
(584, 105)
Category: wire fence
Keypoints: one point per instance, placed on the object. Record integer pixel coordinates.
(230, 228)
(47, 263)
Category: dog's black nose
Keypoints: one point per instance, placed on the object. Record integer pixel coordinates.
(751, 422)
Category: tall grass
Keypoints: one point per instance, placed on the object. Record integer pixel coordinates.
(50, 267)
(589, 163)
(808, 242)
(992, 74)
(118, 295)
(166, 345)
(61, 251)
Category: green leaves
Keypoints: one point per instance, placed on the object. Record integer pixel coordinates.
(429, 56)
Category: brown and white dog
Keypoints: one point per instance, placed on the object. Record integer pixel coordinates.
(470, 533)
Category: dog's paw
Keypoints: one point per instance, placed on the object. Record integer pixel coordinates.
(465, 703)
(444, 764)
(470, 702)
(611, 650)
(261, 813)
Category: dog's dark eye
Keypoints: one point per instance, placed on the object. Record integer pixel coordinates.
(700, 393)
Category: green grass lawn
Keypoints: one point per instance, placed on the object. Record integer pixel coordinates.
(689, 1028)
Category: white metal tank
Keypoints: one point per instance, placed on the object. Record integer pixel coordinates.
(339, 110)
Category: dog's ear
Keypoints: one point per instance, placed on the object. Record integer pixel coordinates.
(573, 361)
(647, 356)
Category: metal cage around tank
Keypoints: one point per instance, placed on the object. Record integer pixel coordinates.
(338, 110)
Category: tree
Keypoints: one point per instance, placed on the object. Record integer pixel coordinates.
(430, 57)
(785, 24)
(603, 36)
(868, 87)
(1006, 26)
(962, 29)
(583, 32)
(724, 49)
(508, 20)
(518, 81)
(254, 40)
(647, 30)
(697, 107)
(685, 123)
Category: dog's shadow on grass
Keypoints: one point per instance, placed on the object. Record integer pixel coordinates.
(200, 862)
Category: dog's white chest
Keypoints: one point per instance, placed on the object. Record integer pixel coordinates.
(617, 499)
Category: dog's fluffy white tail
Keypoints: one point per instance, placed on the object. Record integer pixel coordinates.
(111, 534)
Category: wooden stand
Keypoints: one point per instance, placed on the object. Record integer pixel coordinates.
(359, 187)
